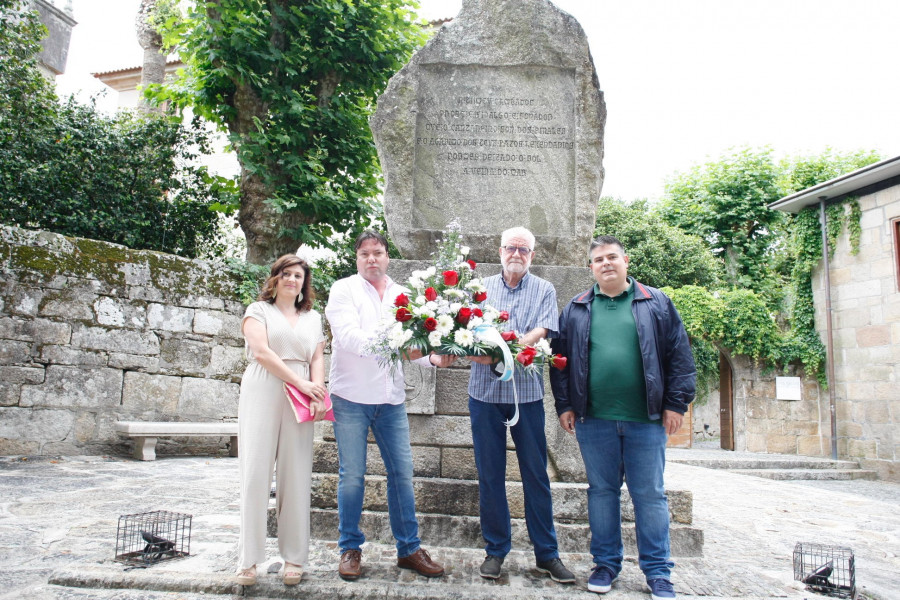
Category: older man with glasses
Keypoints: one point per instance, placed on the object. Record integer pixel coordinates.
(531, 303)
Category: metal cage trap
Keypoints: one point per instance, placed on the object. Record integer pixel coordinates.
(825, 569)
(144, 539)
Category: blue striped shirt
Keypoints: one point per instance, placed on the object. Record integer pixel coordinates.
(530, 304)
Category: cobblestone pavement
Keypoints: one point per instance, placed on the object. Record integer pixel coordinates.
(58, 520)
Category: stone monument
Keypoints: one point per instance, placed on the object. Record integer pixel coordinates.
(497, 122)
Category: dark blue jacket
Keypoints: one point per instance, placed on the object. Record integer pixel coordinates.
(668, 363)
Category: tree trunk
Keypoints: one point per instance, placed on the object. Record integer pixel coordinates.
(260, 222)
(154, 65)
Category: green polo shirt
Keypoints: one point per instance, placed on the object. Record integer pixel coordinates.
(616, 372)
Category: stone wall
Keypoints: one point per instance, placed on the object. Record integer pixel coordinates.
(865, 296)
(763, 423)
(92, 333)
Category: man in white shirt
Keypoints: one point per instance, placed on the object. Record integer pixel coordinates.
(368, 396)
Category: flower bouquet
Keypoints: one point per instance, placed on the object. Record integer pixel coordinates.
(446, 312)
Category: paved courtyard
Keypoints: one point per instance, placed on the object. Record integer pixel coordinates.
(58, 519)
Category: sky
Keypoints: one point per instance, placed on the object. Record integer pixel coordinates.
(684, 80)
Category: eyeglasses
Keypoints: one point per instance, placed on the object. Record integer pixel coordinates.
(285, 275)
(523, 250)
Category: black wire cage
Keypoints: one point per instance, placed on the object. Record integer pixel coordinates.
(828, 570)
(144, 539)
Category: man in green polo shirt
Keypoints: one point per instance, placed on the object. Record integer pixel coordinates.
(627, 384)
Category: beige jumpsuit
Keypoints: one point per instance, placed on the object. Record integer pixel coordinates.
(269, 435)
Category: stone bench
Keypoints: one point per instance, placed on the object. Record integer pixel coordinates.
(145, 434)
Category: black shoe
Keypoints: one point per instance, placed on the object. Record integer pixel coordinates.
(490, 568)
(557, 570)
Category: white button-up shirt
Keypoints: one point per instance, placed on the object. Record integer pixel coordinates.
(355, 312)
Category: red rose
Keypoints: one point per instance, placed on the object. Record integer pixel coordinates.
(451, 277)
(471, 264)
(430, 324)
(476, 312)
(480, 296)
(403, 315)
(463, 316)
(559, 361)
(431, 294)
(504, 316)
(401, 300)
(526, 356)
(509, 336)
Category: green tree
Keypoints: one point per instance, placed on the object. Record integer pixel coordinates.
(774, 262)
(26, 97)
(64, 167)
(801, 172)
(725, 202)
(294, 84)
(660, 254)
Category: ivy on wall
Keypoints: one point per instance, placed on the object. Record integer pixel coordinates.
(739, 321)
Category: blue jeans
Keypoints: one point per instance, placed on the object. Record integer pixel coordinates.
(489, 437)
(611, 449)
(390, 427)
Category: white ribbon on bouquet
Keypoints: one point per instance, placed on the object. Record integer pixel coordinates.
(490, 335)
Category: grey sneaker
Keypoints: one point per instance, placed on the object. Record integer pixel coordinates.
(557, 570)
(490, 568)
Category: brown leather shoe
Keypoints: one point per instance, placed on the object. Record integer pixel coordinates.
(350, 566)
(421, 563)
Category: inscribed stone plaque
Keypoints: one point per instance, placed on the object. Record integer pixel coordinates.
(505, 134)
(497, 122)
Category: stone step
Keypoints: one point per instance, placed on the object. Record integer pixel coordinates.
(459, 497)
(764, 462)
(809, 474)
(451, 462)
(465, 532)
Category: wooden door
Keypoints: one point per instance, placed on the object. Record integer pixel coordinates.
(726, 404)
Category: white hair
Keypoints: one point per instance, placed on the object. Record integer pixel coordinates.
(517, 232)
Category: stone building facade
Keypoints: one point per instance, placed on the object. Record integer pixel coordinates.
(864, 291)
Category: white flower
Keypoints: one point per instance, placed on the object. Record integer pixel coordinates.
(434, 338)
(445, 324)
(416, 283)
(543, 346)
(432, 306)
(490, 314)
(454, 308)
(464, 250)
(422, 311)
(475, 286)
(459, 259)
(464, 337)
(398, 337)
(420, 300)
(430, 271)
(475, 322)
(454, 292)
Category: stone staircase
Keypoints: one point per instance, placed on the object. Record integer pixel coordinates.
(772, 466)
(448, 511)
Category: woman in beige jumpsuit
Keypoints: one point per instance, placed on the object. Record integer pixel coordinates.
(285, 343)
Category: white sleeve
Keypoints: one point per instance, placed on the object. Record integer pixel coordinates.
(345, 318)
